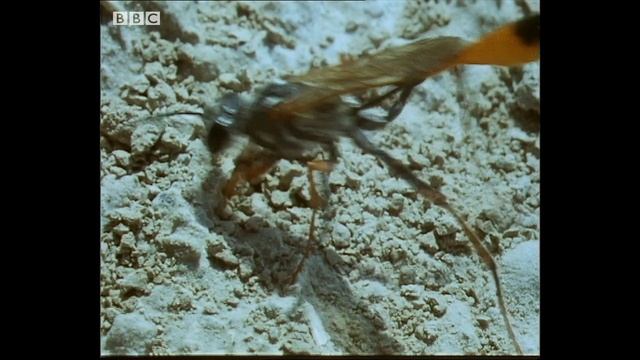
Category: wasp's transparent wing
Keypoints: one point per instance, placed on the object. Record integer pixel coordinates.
(401, 66)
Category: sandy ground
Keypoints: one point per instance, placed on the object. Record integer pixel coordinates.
(390, 273)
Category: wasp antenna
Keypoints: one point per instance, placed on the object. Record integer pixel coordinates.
(513, 44)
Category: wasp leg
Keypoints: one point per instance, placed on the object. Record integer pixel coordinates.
(249, 167)
(394, 111)
(398, 169)
(397, 107)
(377, 100)
(317, 202)
(317, 165)
(439, 199)
(307, 251)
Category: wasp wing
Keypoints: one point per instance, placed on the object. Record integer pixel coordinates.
(402, 65)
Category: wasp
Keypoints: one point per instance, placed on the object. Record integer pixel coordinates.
(305, 115)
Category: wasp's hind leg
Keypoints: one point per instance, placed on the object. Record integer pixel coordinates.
(440, 199)
(397, 168)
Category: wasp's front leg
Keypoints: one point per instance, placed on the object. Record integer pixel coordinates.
(250, 166)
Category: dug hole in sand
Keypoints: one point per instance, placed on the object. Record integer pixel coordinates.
(390, 273)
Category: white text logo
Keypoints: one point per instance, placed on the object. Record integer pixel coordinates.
(136, 18)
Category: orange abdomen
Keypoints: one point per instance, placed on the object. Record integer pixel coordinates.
(513, 44)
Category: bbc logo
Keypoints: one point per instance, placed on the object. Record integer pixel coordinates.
(136, 18)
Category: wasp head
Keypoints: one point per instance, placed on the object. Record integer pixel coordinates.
(229, 118)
